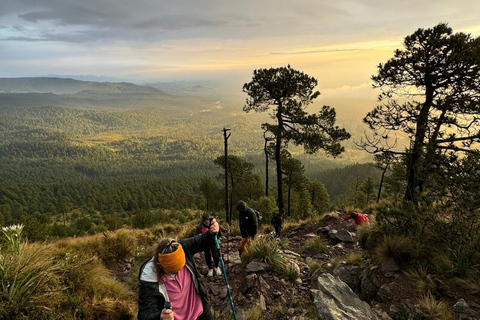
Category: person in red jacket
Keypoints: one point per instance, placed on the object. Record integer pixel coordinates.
(359, 218)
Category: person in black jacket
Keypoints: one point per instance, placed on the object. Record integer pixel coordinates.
(248, 224)
(171, 279)
(212, 251)
(276, 221)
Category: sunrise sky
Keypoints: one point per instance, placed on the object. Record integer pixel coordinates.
(339, 42)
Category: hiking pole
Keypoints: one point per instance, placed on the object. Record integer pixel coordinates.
(225, 275)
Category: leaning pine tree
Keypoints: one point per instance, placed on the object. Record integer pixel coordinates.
(288, 92)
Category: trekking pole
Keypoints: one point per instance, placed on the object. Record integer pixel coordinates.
(225, 276)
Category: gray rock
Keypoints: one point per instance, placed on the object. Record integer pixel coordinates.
(336, 301)
(385, 292)
(350, 275)
(311, 235)
(381, 314)
(290, 311)
(369, 284)
(256, 266)
(249, 283)
(333, 233)
(461, 309)
(312, 250)
(389, 268)
(327, 217)
(308, 260)
(264, 286)
(323, 229)
(262, 303)
(345, 236)
(291, 253)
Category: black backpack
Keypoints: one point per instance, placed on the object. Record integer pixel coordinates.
(259, 217)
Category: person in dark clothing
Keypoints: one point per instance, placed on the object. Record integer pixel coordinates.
(248, 224)
(171, 276)
(212, 251)
(276, 221)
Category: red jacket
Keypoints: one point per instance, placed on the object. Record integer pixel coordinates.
(359, 220)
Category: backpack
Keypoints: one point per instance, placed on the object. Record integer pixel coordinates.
(259, 217)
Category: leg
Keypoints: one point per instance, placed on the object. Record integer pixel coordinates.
(216, 256)
(208, 257)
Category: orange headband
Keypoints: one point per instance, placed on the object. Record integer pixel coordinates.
(172, 262)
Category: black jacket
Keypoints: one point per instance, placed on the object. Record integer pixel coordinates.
(150, 299)
(248, 223)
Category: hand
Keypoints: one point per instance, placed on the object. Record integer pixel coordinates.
(214, 227)
(166, 314)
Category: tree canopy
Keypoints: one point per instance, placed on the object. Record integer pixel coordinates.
(430, 93)
(288, 92)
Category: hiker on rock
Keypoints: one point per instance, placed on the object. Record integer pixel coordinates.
(248, 224)
(212, 251)
(360, 219)
(170, 286)
(276, 221)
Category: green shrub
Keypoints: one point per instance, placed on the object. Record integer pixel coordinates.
(267, 250)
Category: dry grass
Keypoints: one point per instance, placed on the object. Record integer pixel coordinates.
(394, 247)
(355, 258)
(63, 280)
(314, 266)
(254, 313)
(433, 309)
(422, 279)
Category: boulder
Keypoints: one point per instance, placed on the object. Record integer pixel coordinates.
(250, 282)
(388, 268)
(350, 275)
(345, 235)
(336, 301)
(461, 309)
(256, 266)
(333, 234)
(323, 229)
(327, 217)
(369, 283)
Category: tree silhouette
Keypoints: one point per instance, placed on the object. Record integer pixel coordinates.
(288, 92)
(430, 93)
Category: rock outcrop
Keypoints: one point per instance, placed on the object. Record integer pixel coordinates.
(336, 301)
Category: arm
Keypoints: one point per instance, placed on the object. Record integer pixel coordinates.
(201, 241)
(347, 218)
(149, 300)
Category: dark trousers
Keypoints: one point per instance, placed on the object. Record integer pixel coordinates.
(278, 230)
(212, 252)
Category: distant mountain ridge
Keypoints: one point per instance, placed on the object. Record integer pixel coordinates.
(68, 86)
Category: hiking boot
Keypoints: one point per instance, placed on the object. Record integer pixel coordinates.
(210, 273)
(218, 272)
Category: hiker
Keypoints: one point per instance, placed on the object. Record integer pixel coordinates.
(276, 221)
(360, 219)
(248, 224)
(170, 278)
(212, 251)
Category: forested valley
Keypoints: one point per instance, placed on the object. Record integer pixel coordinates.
(97, 160)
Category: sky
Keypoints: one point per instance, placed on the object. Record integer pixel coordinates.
(339, 42)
